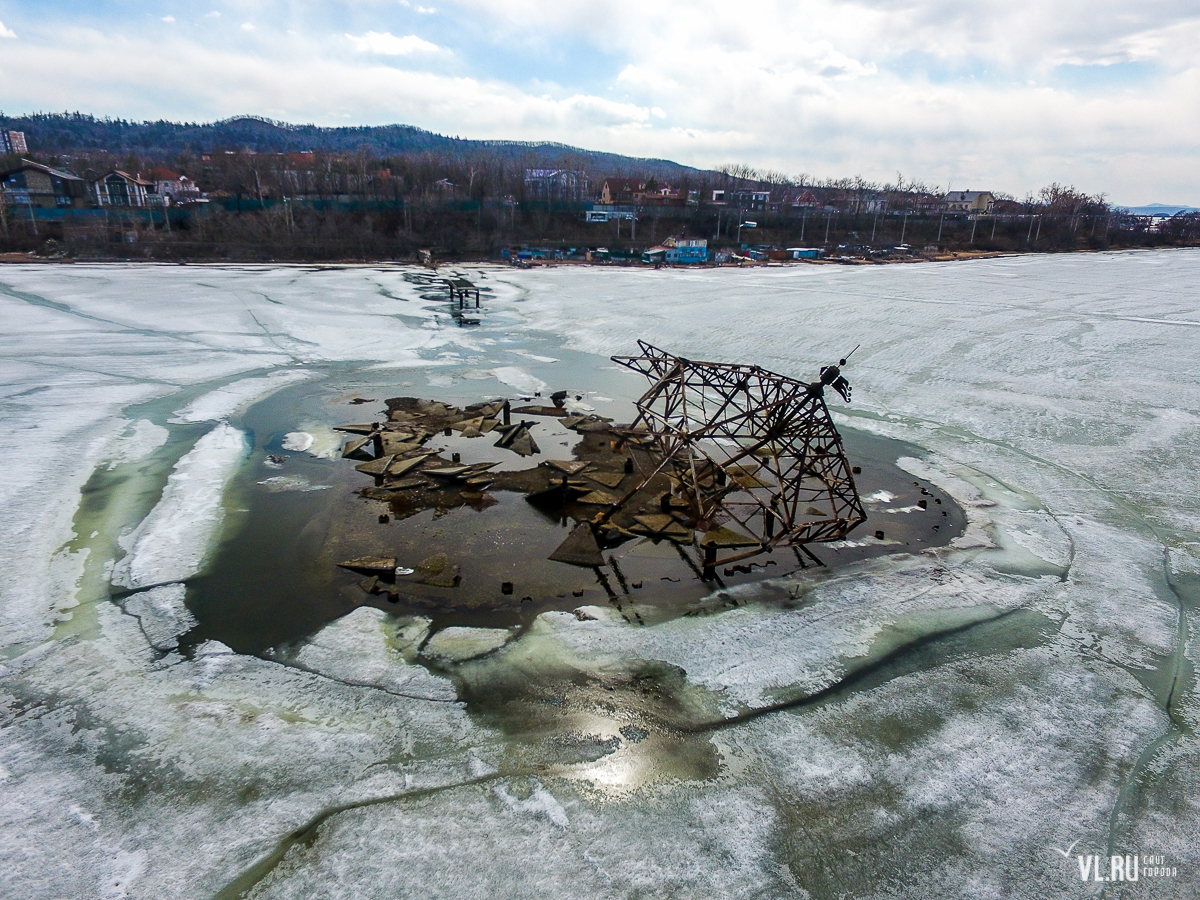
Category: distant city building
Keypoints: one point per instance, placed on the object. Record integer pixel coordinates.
(33, 184)
(13, 142)
(556, 184)
(970, 202)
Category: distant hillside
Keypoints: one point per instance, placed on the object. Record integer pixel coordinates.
(67, 132)
(1161, 209)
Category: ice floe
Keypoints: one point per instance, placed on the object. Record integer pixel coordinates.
(173, 541)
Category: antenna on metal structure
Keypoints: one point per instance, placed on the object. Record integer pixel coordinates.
(831, 376)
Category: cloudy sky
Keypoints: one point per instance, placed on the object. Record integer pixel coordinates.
(1005, 95)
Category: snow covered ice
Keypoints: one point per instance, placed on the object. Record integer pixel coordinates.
(919, 725)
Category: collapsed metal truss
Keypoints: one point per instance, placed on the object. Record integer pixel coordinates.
(748, 452)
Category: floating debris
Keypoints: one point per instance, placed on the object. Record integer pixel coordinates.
(365, 564)
(580, 548)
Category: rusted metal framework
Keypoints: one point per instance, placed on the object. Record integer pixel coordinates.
(753, 456)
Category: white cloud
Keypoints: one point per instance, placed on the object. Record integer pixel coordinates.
(389, 45)
(212, 15)
(247, 26)
(426, 10)
(1006, 94)
(6, 32)
(168, 18)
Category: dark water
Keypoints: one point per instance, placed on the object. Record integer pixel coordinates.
(274, 578)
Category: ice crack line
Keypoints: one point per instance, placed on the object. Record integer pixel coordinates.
(307, 833)
(360, 684)
(852, 678)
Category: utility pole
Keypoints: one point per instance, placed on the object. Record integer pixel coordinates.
(904, 226)
(803, 222)
(828, 219)
(974, 222)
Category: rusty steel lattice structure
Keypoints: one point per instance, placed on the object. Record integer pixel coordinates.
(753, 456)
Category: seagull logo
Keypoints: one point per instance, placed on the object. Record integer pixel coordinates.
(1066, 854)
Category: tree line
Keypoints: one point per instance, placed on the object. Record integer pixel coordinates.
(480, 200)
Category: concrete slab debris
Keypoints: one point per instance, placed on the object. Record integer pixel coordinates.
(725, 538)
(375, 466)
(598, 498)
(569, 466)
(370, 564)
(580, 548)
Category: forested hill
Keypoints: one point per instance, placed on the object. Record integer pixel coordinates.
(67, 132)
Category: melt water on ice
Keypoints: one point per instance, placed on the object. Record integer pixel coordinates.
(941, 723)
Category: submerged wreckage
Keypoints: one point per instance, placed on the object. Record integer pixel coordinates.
(724, 461)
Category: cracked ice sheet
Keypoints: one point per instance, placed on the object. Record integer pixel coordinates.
(756, 655)
(80, 343)
(211, 757)
(1045, 388)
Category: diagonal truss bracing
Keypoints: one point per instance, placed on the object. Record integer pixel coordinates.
(747, 450)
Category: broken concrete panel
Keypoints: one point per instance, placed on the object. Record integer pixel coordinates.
(454, 472)
(355, 445)
(580, 548)
(608, 479)
(523, 444)
(726, 539)
(438, 571)
(404, 484)
(370, 564)
(375, 466)
(365, 428)
(656, 522)
(401, 467)
(598, 498)
(569, 466)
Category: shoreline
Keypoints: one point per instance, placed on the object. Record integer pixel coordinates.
(19, 258)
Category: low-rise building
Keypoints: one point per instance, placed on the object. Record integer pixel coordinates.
(806, 200)
(120, 189)
(750, 199)
(175, 188)
(970, 202)
(621, 189)
(33, 184)
(686, 251)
